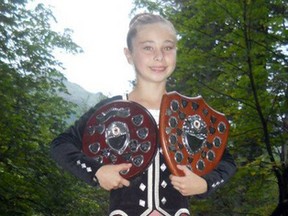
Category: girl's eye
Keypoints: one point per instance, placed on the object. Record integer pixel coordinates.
(149, 48)
(168, 48)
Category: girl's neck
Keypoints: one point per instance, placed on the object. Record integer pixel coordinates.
(149, 97)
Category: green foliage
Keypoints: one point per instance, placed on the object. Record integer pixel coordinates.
(31, 115)
(232, 53)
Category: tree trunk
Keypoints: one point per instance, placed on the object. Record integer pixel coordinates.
(282, 208)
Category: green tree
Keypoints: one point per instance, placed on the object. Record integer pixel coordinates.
(32, 114)
(232, 53)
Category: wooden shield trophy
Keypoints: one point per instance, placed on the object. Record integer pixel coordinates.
(191, 133)
(121, 132)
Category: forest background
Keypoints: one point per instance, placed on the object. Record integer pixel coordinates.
(233, 53)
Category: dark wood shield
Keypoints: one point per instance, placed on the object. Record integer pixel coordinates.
(191, 133)
(121, 132)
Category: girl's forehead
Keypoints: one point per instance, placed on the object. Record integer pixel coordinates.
(156, 29)
(152, 26)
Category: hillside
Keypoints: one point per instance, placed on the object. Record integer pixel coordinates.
(82, 98)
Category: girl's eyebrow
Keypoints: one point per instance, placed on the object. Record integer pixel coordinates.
(148, 41)
(151, 41)
(170, 41)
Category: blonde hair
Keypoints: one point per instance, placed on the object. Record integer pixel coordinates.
(144, 19)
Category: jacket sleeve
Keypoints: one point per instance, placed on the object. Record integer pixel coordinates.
(66, 149)
(220, 175)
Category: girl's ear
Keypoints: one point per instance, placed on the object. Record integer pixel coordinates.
(128, 56)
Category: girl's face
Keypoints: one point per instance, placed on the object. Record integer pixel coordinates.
(154, 52)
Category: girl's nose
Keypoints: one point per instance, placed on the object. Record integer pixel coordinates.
(158, 55)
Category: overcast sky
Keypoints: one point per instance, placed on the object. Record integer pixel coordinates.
(100, 28)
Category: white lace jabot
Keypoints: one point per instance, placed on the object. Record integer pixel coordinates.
(155, 113)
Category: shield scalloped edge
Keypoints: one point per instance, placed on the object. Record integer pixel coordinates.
(121, 132)
(191, 133)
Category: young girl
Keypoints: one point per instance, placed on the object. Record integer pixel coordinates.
(151, 50)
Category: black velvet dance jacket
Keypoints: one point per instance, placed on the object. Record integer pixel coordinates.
(149, 191)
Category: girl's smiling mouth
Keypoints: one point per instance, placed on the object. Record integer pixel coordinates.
(158, 68)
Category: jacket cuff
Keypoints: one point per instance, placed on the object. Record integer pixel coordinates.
(87, 169)
(212, 185)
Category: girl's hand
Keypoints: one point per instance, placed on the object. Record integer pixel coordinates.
(189, 184)
(109, 176)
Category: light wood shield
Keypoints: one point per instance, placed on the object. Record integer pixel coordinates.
(191, 133)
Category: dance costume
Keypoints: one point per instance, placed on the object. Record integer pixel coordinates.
(148, 191)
